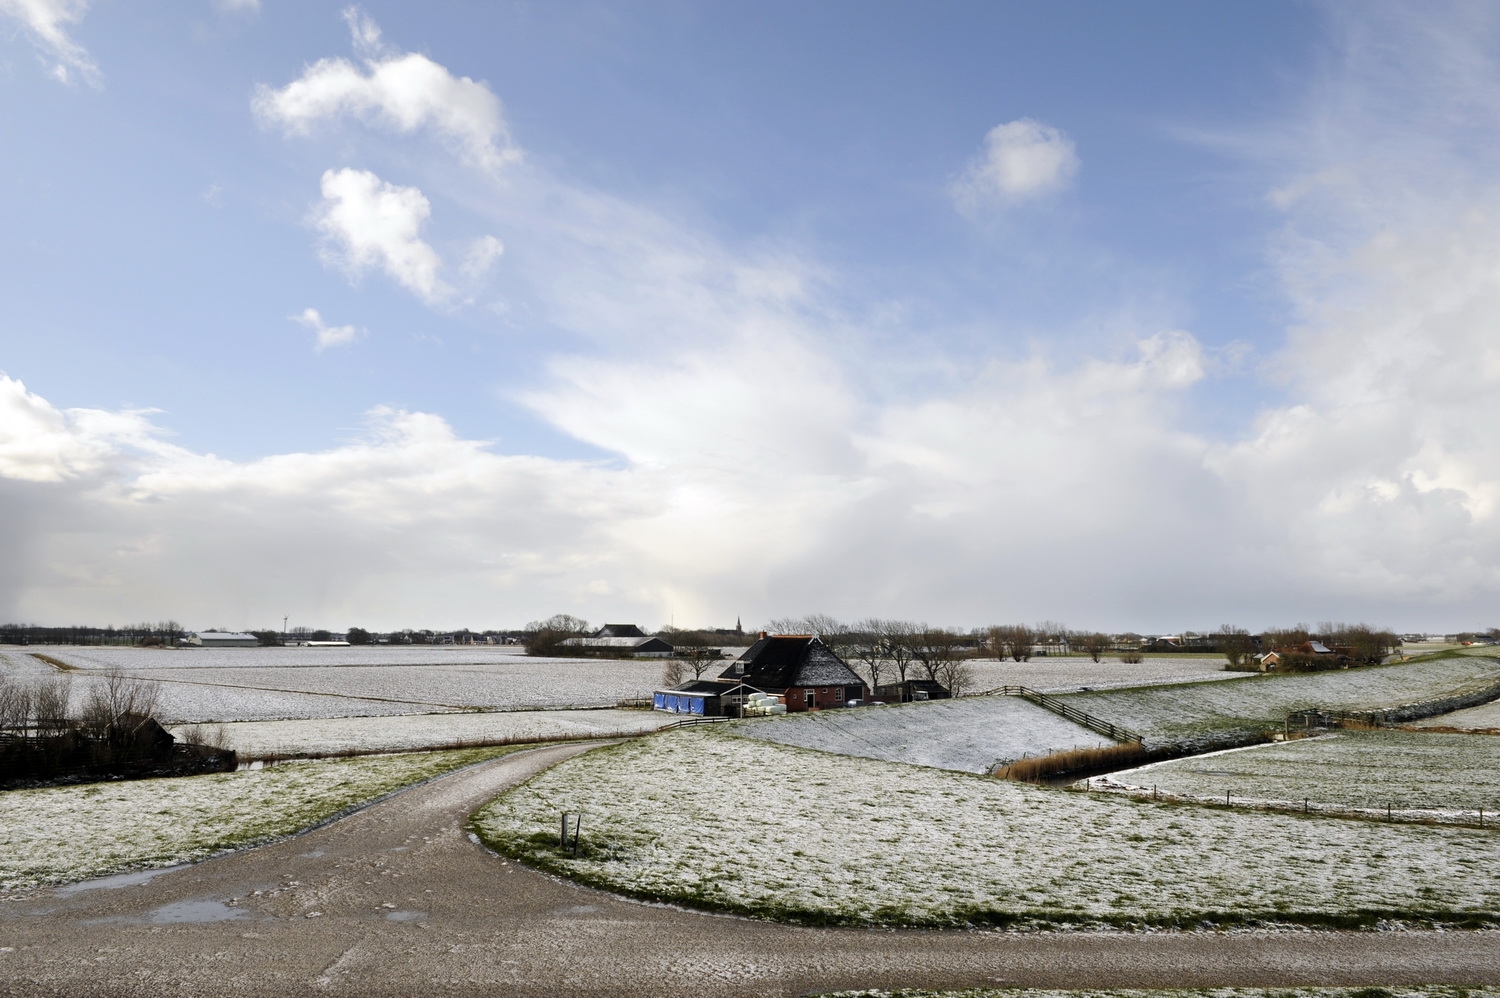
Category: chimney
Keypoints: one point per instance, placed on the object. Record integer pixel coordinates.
(762, 633)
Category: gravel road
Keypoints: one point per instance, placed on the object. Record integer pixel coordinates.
(396, 900)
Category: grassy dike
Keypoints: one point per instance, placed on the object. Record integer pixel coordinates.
(67, 834)
(706, 819)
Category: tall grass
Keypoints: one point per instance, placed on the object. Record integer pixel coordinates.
(1038, 769)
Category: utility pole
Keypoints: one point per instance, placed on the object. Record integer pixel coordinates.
(283, 627)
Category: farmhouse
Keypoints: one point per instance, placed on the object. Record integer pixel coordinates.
(801, 668)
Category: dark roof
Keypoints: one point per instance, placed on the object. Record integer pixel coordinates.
(783, 661)
(619, 631)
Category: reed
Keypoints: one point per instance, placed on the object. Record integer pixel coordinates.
(1038, 769)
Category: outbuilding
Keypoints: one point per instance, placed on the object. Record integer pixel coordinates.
(223, 639)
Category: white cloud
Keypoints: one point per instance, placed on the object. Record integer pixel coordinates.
(237, 6)
(47, 22)
(483, 253)
(403, 92)
(1021, 160)
(326, 335)
(369, 223)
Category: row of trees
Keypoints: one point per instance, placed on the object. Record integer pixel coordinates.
(164, 632)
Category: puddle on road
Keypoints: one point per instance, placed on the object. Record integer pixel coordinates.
(117, 881)
(198, 912)
(406, 916)
(577, 909)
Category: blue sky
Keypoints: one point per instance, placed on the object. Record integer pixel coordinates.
(464, 314)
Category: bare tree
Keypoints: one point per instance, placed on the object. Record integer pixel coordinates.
(1094, 644)
(837, 635)
(935, 647)
(15, 705)
(1235, 643)
(696, 651)
(866, 649)
(673, 672)
(545, 637)
(896, 639)
(1018, 640)
(49, 706)
(955, 675)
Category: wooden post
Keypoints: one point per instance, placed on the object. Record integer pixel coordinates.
(577, 828)
(562, 834)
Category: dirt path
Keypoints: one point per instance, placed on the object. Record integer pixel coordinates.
(396, 900)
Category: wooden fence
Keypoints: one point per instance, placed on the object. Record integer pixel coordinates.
(1062, 708)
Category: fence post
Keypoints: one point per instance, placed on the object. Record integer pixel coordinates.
(562, 834)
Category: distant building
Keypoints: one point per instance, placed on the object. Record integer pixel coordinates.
(223, 639)
(620, 631)
(637, 647)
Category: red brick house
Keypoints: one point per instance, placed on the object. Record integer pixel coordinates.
(801, 668)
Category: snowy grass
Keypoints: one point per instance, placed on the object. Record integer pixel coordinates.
(1181, 714)
(258, 739)
(1400, 991)
(708, 819)
(1485, 717)
(972, 735)
(67, 834)
(1411, 771)
(1065, 674)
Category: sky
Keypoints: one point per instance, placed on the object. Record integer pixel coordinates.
(1144, 316)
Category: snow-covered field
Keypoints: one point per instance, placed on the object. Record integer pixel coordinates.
(1180, 713)
(66, 834)
(238, 684)
(1485, 717)
(188, 657)
(1067, 674)
(257, 739)
(707, 818)
(973, 735)
(1359, 770)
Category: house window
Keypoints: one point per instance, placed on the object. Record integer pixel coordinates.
(839, 695)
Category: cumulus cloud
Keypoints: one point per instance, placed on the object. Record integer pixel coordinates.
(325, 335)
(768, 456)
(403, 92)
(1378, 476)
(483, 253)
(47, 22)
(367, 223)
(1022, 160)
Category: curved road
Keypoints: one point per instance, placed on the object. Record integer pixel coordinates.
(396, 900)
